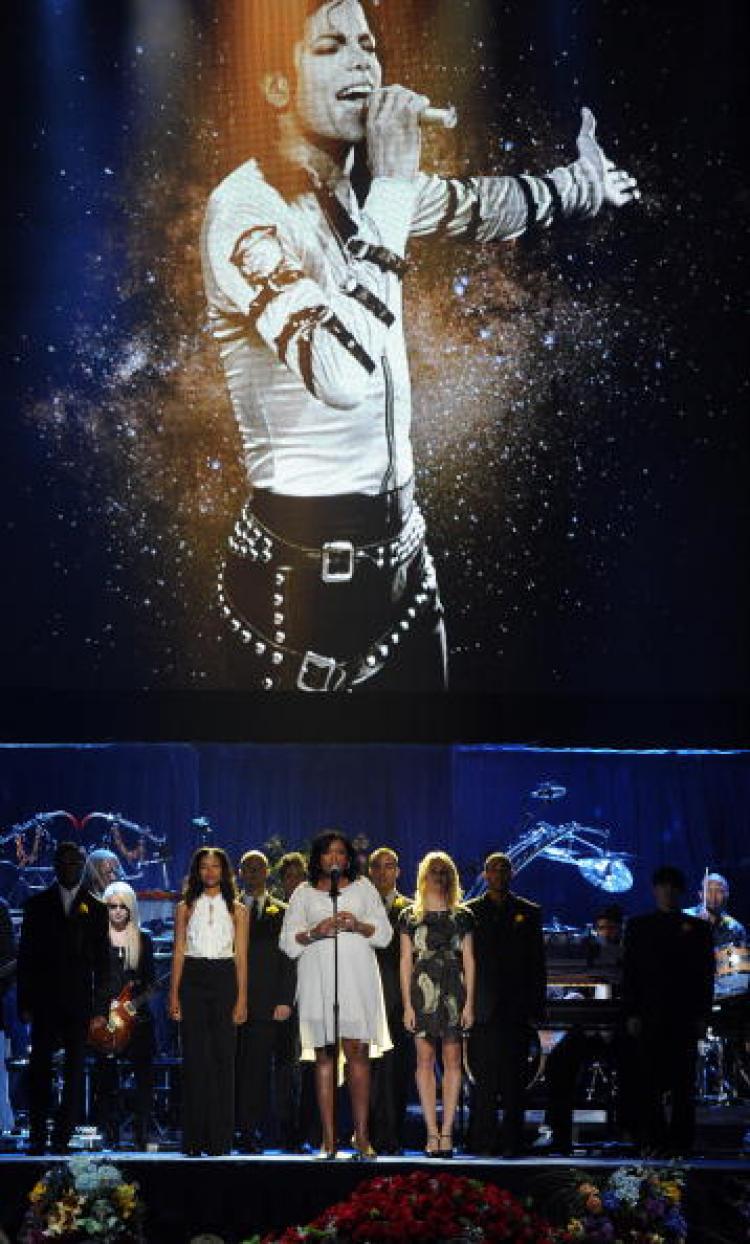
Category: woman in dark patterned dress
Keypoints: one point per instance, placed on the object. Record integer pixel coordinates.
(437, 984)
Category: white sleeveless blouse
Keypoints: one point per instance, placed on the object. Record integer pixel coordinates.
(210, 930)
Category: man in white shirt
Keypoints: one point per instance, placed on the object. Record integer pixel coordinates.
(327, 581)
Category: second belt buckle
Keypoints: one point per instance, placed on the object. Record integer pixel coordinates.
(337, 561)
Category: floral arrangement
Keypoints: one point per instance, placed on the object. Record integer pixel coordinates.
(632, 1206)
(424, 1207)
(83, 1199)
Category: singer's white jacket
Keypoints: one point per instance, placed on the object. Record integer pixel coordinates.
(310, 330)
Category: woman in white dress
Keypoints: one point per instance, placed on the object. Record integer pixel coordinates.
(309, 929)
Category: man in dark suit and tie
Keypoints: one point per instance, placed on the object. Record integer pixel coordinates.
(263, 1039)
(668, 980)
(62, 959)
(391, 1072)
(510, 1000)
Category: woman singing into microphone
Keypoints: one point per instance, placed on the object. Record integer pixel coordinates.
(327, 584)
(307, 935)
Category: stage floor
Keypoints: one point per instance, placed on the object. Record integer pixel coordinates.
(238, 1195)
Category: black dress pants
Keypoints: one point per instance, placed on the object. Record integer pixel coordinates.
(66, 1032)
(208, 991)
(667, 1065)
(391, 1075)
(108, 1104)
(263, 1066)
(498, 1056)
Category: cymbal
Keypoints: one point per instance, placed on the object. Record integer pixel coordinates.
(549, 791)
(606, 873)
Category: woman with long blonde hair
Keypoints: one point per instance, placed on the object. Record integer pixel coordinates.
(130, 961)
(437, 985)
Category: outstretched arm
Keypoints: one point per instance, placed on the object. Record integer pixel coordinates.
(492, 209)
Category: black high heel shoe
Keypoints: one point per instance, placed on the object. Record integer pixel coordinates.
(445, 1145)
(431, 1149)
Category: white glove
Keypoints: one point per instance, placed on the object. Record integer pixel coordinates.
(618, 187)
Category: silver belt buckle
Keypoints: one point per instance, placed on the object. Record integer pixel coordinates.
(316, 672)
(337, 561)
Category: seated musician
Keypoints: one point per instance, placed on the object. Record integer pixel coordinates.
(714, 896)
(582, 1047)
(130, 962)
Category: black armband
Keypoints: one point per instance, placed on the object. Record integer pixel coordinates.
(532, 223)
(370, 302)
(386, 260)
(557, 203)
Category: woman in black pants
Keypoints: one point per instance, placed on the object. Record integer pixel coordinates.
(130, 962)
(209, 996)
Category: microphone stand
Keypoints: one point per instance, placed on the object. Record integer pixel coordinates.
(335, 892)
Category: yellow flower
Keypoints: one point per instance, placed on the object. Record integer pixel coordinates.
(575, 1228)
(125, 1198)
(84, 909)
(519, 917)
(271, 910)
(37, 1192)
(672, 1191)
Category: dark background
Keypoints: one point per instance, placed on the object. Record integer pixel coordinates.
(579, 425)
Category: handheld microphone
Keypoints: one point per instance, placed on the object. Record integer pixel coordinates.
(447, 117)
(334, 875)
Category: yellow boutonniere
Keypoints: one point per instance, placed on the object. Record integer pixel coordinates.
(271, 910)
(83, 909)
(519, 917)
(37, 1192)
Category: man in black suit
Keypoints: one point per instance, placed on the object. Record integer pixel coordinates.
(7, 972)
(62, 959)
(263, 1039)
(510, 999)
(391, 1072)
(668, 979)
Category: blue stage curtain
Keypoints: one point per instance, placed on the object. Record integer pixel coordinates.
(688, 808)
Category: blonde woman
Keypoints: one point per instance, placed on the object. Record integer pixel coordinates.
(130, 961)
(437, 986)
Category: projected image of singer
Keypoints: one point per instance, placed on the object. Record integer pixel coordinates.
(327, 581)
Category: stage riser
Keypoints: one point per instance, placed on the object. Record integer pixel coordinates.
(236, 1198)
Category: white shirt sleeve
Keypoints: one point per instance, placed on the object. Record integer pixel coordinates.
(375, 913)
(296, 920)
(332, 338)
(490, 209)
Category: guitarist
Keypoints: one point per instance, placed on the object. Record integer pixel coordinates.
(130, 963)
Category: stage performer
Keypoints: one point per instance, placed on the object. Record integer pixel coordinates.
(390, 1074)
(511, 1000)
(668, 977)
(437, 989)
(327, 580)
(579, 1048)
(262, 1047)
(102, 868)
(726, 930)
(7, 973)
(130, 962)
(308, 934)
(209, 995)
(291, 871)
(62, 959)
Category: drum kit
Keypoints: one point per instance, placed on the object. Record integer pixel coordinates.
(27, 851)
(584, 847)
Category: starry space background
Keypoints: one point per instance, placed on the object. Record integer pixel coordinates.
(579, 404)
